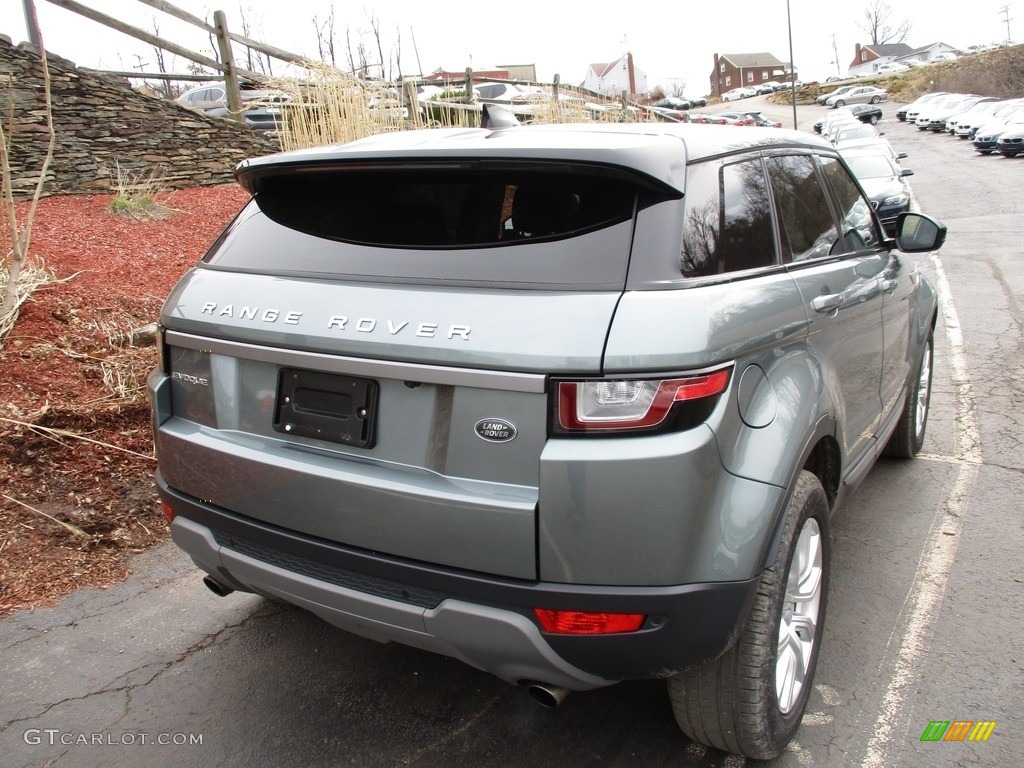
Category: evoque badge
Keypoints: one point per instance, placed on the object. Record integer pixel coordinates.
(495, 430)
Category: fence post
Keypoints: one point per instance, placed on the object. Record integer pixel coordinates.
(554, 87)
(468, 96)
(411, 100)
(220, 22)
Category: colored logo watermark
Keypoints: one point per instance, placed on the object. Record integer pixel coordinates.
(958, 730)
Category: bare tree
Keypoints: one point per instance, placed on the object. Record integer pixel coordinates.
(679, 88)
(375, 27)
(363, 70)
(879, 25)
(348, 51)
(255, 61)
(161, 65)
(325, 37)
(398, 56)
(250, 61)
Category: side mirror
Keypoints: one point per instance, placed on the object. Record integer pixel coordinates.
(902, 155)
(906, 172)
(916, 232)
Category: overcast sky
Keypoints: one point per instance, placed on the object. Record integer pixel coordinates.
(671, 42)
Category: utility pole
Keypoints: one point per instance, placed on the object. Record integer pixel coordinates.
(1005, 10)
(835, 54)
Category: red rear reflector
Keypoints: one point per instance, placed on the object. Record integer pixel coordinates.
(168, 512)
(587, 623)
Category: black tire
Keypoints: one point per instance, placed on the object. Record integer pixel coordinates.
(874, 119)
(875, 99)
(908, 438)
(840, 104)
(732, 703)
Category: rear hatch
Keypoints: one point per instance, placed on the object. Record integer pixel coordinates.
(364, 354)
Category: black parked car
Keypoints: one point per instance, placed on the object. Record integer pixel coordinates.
(672, 102)
(867, 113)
(882, 180)
(986, 140)
(1011, 143)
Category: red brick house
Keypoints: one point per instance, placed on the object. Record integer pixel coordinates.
(747, 69)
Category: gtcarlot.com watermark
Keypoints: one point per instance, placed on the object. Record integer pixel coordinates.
(55, 736)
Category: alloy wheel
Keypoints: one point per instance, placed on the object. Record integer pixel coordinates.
(798, 622)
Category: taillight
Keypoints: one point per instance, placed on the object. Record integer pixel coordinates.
(168, 511)
(625, 405)
(588, 622)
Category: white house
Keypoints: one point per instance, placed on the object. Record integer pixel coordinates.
(868, 58)
(614, 78)
(924, 55)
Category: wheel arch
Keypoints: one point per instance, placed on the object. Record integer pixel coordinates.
(822, 457)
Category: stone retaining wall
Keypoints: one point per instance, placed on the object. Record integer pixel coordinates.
(102, 124)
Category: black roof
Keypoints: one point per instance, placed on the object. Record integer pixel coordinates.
(656, 150)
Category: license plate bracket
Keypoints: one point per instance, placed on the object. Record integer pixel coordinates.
(327, 406)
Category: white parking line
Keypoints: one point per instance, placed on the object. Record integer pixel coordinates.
(932, 576)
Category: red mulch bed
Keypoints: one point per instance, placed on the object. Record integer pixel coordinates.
(68, 366)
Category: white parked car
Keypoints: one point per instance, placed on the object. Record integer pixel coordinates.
(738, 93)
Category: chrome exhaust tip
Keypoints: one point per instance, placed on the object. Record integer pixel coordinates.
(549, 696)
(216, 587)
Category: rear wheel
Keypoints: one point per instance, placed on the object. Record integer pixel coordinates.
(751, 699)
(875, 99)
(908, 438)
(840, 104)
(874, 119)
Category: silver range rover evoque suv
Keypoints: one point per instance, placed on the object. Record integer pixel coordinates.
(573, 404)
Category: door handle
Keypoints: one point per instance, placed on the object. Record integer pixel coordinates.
(827, 303)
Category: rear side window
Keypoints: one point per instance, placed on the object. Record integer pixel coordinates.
(728, 224)
(806, 226)
(445, 208)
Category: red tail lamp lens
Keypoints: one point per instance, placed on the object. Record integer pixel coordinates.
(630, 404)
(168, 512)
(588, 623)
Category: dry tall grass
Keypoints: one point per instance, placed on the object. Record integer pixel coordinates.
(329, 107)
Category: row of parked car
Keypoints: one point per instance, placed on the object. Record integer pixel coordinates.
(992, 124)
(745, 92)
(872, 159)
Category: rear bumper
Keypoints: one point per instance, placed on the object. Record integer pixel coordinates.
(486, 622)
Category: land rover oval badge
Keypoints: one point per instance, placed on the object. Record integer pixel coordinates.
(496, 430)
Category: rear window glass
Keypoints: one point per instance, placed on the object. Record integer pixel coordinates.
(449, 208)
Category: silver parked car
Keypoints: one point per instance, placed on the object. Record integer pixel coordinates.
(261, 108)
(571, 403)
(864, 94)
